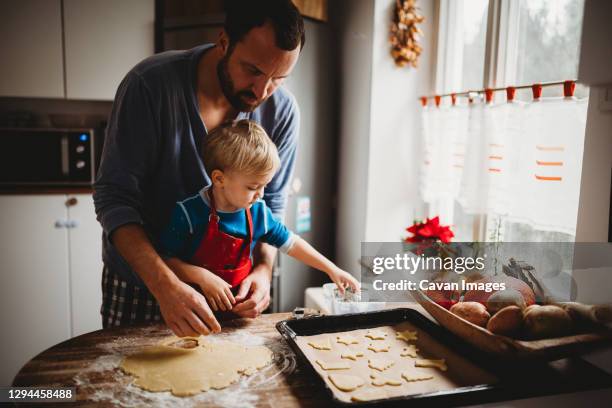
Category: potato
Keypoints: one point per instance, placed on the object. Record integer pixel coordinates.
(503, 298)
(507, 322)
(473, 312)
(547, 321)
(528, 308)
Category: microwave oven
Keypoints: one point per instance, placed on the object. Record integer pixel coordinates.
(47, 157)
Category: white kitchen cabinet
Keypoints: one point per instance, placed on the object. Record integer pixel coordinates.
(31, 49)
(104, 39)
(72, 49)
(50, 271)
(85, 264)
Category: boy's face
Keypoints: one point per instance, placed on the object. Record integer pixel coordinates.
(242, 190)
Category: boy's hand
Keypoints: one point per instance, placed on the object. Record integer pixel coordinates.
(343, 279)
(218, 293)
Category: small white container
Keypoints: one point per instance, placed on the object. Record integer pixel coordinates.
(350, 302)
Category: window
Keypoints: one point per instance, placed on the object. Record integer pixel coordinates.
(498, 43)
(474, 26)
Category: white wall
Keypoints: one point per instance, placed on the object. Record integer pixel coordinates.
(379, 120)
(595, 69)
(594, 205)
(356, 20)
(393, 198)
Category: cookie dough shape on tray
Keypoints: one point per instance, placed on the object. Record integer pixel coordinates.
(376, 334)
(407, 335)
(409, 351)
(323, 344)
(412, 377)
(380, 364)
(351, 355)
(333, 365)
(440, 364)
(346, 340)
(379, 380)
(346, 382)
(189, 371)
(378, 348)
(368, 394)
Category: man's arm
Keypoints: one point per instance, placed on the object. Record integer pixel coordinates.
(130, 152)
(183, 308)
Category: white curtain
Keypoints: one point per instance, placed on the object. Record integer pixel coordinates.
(518, 161)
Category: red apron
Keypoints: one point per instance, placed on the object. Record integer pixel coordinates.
(224, 255)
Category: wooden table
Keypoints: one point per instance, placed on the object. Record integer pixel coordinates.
(89, 363)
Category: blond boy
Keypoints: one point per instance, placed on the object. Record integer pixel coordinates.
(218, 228)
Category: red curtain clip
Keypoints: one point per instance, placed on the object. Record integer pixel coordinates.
(568, 88)
(537, 91)
(453, 99)
(437, 98)
(489, 95)
(510, 91)
(424, 101)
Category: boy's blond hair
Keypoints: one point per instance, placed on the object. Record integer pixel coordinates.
(242, 146)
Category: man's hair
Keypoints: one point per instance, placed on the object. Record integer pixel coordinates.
(244, 15)
(242, 146)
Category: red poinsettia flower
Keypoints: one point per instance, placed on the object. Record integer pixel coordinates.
(430, 230)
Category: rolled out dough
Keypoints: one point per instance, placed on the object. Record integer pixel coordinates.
(188, 371)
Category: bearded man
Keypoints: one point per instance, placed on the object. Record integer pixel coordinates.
(164, 109)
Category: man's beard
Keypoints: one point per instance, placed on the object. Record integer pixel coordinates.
(227, 86)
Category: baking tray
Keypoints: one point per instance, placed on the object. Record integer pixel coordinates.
(514, 382)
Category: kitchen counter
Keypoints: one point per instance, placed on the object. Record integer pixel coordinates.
(89, 363)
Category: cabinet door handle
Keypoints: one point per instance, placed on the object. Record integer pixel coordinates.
(61, 224)
(72, 224)
(71, 202)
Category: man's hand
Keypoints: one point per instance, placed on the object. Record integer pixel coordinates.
(185, 310)
(254, 294)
